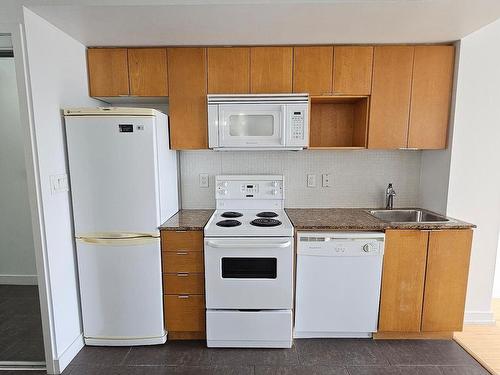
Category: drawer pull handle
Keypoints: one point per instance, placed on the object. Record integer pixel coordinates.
(183, 297)
(182, 253)
(182, 274)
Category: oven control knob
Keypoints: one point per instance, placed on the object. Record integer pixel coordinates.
(274, 184)
(274, 192)
(223, 183)
(222, 191)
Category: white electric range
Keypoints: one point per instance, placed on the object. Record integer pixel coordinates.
(249, 264)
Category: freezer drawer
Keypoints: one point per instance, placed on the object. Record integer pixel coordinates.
(121, 291)
(260, 329)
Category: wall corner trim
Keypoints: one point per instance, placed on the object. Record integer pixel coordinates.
(69, 353)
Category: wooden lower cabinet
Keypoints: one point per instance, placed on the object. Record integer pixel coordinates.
(403, 278)
(183, 284)
(446, 280)
(424, 283)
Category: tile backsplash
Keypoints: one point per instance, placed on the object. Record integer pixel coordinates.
(357, 178)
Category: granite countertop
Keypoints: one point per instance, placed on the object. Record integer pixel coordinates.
(315, 219)
(187, 220)
(357, 219)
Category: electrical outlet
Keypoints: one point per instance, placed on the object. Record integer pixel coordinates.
(311, 180)
(325, 180)
(203, 180)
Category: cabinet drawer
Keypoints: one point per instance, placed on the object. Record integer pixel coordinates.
(185, 313)
(188, 241)
(182, 261)
(183, 283)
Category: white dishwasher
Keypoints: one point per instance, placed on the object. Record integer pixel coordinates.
(338, 284)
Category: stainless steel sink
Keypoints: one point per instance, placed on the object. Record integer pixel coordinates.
(408, 216)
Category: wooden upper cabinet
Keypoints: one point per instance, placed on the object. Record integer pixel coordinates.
(108, 72)
(147, 69)
(229, 70)
(271, 69)
(313, 70)
(431, 96)
(390, 100)
(187, 87)
(352, 70)
(403, 281)
(446, 280)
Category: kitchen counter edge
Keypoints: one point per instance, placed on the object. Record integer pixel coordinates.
(189, 219)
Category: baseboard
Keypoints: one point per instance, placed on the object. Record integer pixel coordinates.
(67, 356)
(479, 317)
(18, 280)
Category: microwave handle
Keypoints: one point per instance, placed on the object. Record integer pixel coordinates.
(283, 122)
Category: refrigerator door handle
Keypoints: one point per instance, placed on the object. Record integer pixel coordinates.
(118, 241)
(118, 235)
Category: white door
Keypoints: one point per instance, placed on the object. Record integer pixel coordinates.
(249, 273)
(121, 288)
(113, 172)
(257, 125)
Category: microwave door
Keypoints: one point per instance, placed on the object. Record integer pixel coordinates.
(251, 126)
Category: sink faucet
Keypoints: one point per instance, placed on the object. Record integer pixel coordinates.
(389, 197)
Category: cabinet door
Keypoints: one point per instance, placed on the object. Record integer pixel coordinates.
(446, 280)
(403, 281)
(108, 71)
(187, 86)
(271, 69)
(352, 70)
(390, 100)
(148, 71)
(431, 96)
(228, 70)
(313, 70)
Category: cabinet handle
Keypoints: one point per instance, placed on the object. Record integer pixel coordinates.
(182, 253)
(183, 297)
(182, 274)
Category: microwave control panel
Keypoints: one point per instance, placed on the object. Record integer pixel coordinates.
(297, 128)
(297, 125)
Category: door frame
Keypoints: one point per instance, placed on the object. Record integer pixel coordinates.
(16, 31)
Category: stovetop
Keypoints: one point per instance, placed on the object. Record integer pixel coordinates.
(273, 223)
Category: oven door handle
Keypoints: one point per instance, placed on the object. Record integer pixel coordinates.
(253, 245)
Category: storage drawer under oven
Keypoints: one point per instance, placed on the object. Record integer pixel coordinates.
(233, 328)
(249, 273)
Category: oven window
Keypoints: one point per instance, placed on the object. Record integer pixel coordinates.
(249, 268)
(251, 125)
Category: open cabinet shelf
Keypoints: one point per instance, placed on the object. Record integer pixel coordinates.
(338, 122)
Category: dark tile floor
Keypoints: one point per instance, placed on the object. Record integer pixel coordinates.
(307, 357)
(20, 324)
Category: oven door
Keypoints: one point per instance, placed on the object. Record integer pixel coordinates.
(249, 273)
(252, 126)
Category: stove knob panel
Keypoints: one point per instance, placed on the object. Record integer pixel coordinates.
(274, 192)
(274, 184)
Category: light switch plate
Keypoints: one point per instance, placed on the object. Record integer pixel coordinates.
(203, 180)
(325, 180)
(59, 183)
(311, 180)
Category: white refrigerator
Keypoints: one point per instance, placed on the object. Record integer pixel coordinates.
(123, 186)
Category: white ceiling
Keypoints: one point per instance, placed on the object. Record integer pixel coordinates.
(232, 22)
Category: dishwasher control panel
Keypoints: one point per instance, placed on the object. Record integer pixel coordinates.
(341, 244)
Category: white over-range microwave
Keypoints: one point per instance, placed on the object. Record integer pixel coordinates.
(258, 122)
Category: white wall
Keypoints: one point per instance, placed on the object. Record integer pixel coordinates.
(358, 178)
(17, 253)
(474, 193)
(57, 73)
